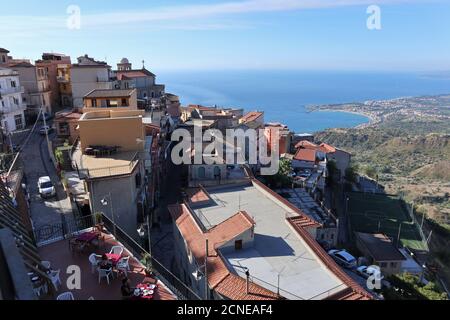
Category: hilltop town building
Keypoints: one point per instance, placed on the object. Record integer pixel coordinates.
(247, 243)
(142, 80)
(87, 75)
(11, 104)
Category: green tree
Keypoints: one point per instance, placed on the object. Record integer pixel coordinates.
(371, 172)
(351, 174)
(282, 178)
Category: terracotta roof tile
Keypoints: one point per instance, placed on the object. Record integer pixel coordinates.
(219, 277)
(197, 195)
(306, 144)
(251, 116)
(305, 155)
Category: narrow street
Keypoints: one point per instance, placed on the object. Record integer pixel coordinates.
(37, 163)
(162, 233)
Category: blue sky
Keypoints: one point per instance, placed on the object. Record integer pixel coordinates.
(236, 34)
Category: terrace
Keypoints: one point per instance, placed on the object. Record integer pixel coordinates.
(61, 252)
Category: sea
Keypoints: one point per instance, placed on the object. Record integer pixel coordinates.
(285, 95)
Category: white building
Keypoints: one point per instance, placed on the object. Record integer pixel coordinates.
(87, 75)
(11, 104)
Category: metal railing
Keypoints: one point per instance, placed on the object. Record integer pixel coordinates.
(66, 228)
(177, 286)
(108, 171)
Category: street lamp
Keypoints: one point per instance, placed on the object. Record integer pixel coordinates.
(104, 203)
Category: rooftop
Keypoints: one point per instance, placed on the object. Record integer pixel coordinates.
(305, 155)
(122, 163)
(380, 247)
(110, 93)
(303, 200)
(251, 116)
(219, 276)
(277, 249)
(129, 74)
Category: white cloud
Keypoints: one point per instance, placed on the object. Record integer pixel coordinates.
(178, 15)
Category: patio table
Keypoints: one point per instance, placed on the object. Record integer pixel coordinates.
(146, 292)
(114, 258)
(87, 237)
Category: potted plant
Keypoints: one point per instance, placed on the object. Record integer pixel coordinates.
(147, 262)
(99, 221)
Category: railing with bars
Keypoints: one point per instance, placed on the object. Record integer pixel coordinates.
(162, 273)
(66, 228)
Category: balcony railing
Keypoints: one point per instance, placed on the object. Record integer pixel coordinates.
(86, 174)
(162, 273)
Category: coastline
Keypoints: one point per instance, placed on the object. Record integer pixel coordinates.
(371, 119)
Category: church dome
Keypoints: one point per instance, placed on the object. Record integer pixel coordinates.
(124, 61)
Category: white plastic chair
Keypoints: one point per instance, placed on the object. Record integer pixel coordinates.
(124, 265)
(54, 276)
(65, 296)
(116, 250)
(103, 273)
(94, 262)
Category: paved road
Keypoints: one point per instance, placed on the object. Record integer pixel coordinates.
(162, 234)
(37, 163)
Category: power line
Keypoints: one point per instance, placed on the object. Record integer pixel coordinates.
(24, 144)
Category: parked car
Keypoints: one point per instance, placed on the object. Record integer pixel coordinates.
(343, 258)
(46, 187)
(366, 272)
(45, 130)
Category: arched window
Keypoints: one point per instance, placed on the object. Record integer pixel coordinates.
(201, 173)
(217, 173)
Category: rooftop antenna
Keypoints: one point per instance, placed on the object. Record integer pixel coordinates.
(143, 64)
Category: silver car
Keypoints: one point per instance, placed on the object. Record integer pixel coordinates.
(343, 258)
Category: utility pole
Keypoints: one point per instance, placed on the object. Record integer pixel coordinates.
(46, 132)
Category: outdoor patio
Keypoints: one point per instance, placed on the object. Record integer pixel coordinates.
(61, 257)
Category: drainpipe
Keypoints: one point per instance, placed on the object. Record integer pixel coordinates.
(247, 274)
(206, 271)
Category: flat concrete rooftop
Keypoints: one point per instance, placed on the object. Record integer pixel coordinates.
(122, 163)
(277, 251)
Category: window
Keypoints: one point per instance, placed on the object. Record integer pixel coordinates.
(217, 173)
(94, 103)
(138, 180)
(13, 84)
(383, 264)
(238, 245)
(393, 264)
(201, 173)
(124, 102)
(19, 122)
(112, 103)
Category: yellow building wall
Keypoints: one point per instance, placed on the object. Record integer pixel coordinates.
(128, 133)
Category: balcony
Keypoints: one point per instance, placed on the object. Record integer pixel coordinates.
(63, 79)
(12, 90)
